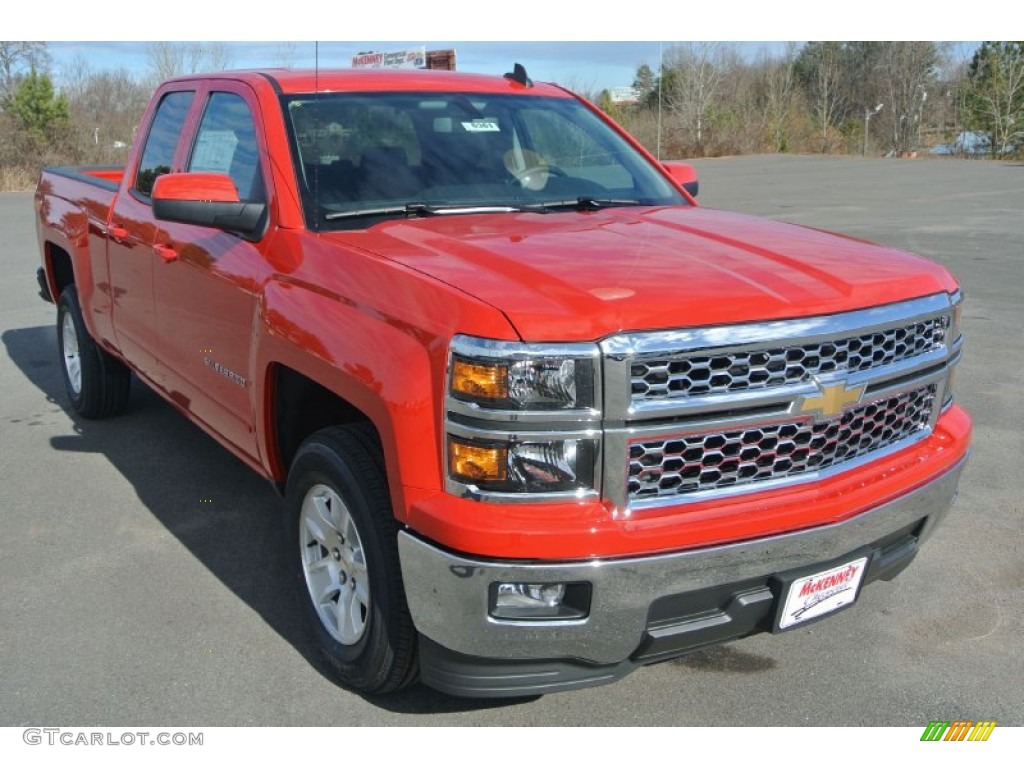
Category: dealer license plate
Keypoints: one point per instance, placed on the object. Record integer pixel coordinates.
(821, 593)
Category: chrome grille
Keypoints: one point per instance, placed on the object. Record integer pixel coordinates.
(734, 371)
(707, 462)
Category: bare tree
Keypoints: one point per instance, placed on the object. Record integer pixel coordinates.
(214, 57)
(168, 59)
(73, 76)
(942, 114)
(691, 85)
(777, 86)
(907, 72)
(105, 109)
(18, 57)
(824, 86)
(735, 118)
(583, 86)
(286, 55)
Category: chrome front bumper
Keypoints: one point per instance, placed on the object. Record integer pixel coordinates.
(448, 593)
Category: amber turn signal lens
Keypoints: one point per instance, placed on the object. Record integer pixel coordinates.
(480, 381)
(477, 462)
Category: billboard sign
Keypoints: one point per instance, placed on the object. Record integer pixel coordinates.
(411, 58)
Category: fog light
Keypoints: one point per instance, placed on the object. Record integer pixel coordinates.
(530, 595)
(514, 600)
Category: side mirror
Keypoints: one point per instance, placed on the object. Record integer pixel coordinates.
(685, 175)
(206, 199)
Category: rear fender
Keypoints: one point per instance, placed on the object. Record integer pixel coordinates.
(65, 226)
(71, 216)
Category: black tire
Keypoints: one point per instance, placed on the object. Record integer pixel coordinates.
(103, 381)
(380, 656)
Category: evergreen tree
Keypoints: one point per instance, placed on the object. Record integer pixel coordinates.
(37, 107)
(644, 82)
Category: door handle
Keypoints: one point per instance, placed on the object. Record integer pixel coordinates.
(118, 233)
(166, 253)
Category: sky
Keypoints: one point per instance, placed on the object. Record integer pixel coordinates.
(586, 66)
(584, 46)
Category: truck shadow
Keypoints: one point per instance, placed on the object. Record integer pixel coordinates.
(205, 497)
(725, 658)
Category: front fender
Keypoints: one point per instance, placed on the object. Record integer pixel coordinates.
(389, 368)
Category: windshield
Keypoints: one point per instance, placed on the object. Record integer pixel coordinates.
(366, 156)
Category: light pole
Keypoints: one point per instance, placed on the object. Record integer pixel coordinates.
(868, 114)
(920, 116)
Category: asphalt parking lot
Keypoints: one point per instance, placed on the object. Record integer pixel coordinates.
(127, 600)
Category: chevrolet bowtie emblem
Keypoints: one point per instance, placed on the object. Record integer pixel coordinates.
(833, 400)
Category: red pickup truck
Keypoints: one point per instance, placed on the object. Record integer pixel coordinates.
(537, 418)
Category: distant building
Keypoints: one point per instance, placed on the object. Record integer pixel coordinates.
(970, 143)
(625, 95)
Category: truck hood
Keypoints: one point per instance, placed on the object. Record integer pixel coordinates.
(585, 275)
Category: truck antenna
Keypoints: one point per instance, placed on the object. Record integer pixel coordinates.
(518, 75)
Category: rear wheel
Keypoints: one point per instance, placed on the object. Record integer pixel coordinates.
(97, 383)
(343, 537)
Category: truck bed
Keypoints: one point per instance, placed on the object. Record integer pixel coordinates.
(104, 176)
(69, 199)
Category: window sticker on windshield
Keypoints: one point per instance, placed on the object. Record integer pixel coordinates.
(482, 126)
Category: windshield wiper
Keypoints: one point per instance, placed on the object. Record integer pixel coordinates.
(422, 209)
(425, 209)
(589, 203)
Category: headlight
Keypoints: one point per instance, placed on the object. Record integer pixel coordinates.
(521, 420)
(954, 341)
(958, 311)
(523, 377)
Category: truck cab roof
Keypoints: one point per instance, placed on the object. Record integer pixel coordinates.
(293, 81)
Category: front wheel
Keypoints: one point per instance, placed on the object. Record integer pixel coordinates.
(343, 537)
